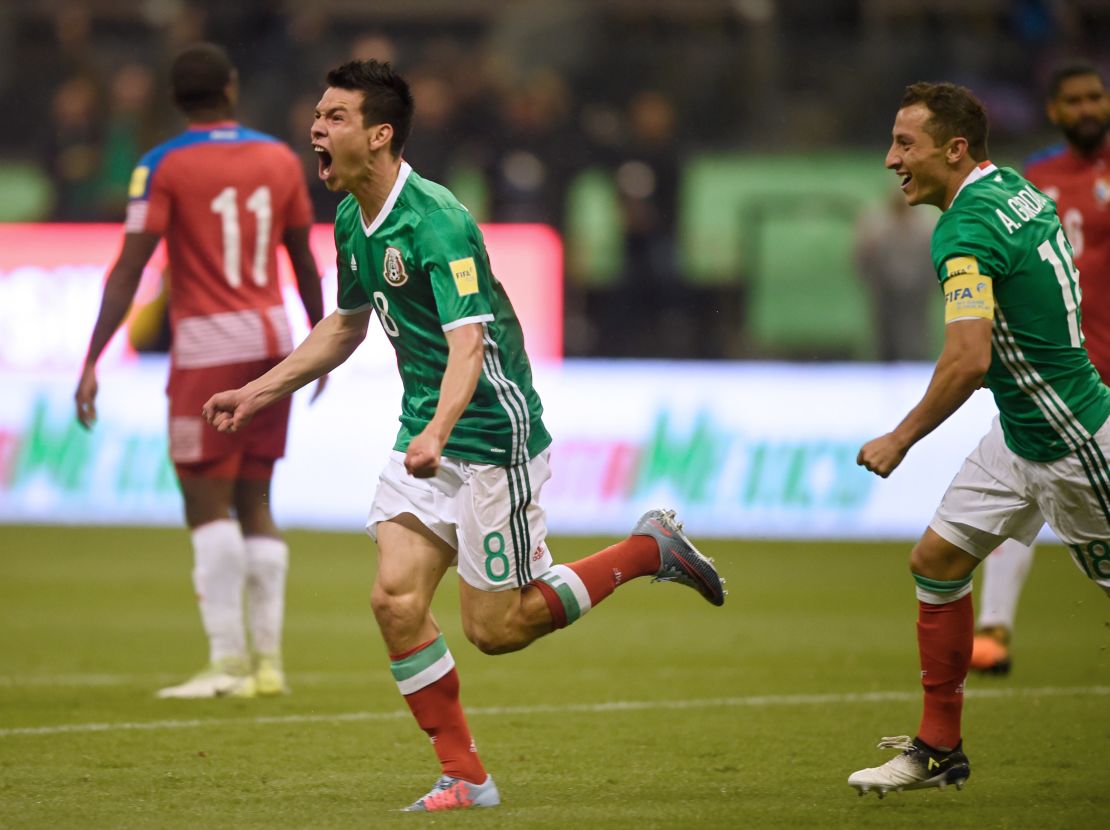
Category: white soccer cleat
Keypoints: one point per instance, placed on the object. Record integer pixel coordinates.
(224, 678)
(918, 766)
(269, 679)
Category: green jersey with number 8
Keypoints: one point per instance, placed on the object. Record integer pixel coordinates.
(422, 264)
(1001, 254)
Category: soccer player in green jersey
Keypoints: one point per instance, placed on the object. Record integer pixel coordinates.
(1012, 323)
(471, 456)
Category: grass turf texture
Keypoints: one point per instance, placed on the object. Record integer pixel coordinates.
(94, 620)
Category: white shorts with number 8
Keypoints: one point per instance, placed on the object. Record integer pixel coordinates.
(489, 514)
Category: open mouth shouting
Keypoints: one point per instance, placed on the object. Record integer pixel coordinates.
(324, 161)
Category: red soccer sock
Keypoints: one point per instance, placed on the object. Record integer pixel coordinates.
(944, 635)
(437, 709)
(572, 590)
(606, 569)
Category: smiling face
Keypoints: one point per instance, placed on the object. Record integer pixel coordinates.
(1081, 109)
(925, 169)
(344, 146)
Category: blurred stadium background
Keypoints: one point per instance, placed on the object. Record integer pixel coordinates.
(660, 180)
(681, 196)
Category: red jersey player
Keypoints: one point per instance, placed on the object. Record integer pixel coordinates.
(223, 197)
(1076, 174)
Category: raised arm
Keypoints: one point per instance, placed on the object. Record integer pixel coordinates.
(959, 372)
(327, 345)
(465, 350)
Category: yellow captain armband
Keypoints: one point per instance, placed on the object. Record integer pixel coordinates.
(968, 294)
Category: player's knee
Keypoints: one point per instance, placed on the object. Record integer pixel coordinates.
(940, 562)
(396, 609)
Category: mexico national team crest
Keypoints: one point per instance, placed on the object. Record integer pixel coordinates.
(394, 268)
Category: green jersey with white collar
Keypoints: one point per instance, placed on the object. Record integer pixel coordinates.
(422, 265)
(1001, 253)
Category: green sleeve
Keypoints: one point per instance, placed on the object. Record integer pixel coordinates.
(967, 235)
(453, 255)
(351, 296)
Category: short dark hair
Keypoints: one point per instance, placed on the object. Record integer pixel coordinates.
(199, 77)
(954, 111)
(386, 98)
(1071, 69)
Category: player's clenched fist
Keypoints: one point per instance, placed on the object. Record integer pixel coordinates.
(228, 411)
(881, 455)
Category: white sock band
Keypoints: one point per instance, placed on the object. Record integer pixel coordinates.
(570, 589)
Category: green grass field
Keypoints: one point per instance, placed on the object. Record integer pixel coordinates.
(656, 710)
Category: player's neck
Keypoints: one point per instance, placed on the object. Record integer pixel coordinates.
(374, 189)
(1087, 153)
(956, 181)
(200, 118)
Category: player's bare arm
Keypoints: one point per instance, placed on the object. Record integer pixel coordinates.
(959, 372)
(296, 244)
(328, 345)
(119, 292)
(465, 349)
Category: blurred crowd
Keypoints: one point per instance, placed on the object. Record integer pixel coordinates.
(515, 100)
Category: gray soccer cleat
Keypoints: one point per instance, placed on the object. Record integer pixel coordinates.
(917, 768)
(679, 560)
(455, 794)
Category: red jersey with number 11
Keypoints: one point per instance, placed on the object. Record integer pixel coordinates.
(1081, 189)
(223, 197)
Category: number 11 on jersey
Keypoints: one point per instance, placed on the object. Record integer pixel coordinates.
(226, 206)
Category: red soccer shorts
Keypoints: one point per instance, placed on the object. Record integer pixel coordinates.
(198, 450)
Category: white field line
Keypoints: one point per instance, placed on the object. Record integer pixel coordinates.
(756, 701)
(154, 680)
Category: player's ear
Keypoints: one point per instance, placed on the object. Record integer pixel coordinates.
(231, 90)
(956, 150)
(380, 136)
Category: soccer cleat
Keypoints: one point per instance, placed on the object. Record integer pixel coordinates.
(269, 679)
(679, 560)
(229, 677)
(990, 652)
(918, 767)
(455, 794)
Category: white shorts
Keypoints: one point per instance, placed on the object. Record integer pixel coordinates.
(490, 515)
(998, 495)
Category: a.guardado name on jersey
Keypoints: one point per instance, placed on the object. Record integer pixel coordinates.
(393, 268)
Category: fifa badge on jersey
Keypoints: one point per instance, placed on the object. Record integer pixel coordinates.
(138, 182)
(394, 268)
(465, 273)
(1102, 191)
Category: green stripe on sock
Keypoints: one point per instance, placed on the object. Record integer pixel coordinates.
(416, 663)
(941, 586)
(566, 596)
